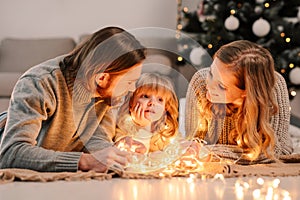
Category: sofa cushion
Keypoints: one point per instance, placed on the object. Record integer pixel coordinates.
(17, 55)
(7, 82)
(4, 102)
(295, 104)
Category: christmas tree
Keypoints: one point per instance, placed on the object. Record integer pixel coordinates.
(274, 24)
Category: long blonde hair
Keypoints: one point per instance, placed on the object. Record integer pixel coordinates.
(253, 66)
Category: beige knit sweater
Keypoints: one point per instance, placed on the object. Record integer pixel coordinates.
(51, 121)
(279, 122)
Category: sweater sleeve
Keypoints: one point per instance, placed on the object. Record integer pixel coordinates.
(105, 132)
(196, 90)
(31, 103)
(281, 120)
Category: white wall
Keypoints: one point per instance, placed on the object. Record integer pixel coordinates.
(51, 18)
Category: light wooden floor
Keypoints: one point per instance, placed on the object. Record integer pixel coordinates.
(149, 189)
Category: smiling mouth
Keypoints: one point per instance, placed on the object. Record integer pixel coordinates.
(211, 95)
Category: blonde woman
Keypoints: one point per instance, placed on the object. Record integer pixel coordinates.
(240, 101)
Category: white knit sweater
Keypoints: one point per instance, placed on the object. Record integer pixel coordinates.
(279, 122)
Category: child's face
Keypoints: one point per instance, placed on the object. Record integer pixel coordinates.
(151, 105)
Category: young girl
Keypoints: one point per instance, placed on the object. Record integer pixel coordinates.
(150, 114)
(240, 101)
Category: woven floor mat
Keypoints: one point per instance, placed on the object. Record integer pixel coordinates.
(10, 175)
(209, 170)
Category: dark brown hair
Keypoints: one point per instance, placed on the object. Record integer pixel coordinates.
(110, 50)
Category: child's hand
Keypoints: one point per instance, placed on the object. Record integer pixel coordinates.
(131, 145)
(138, 116)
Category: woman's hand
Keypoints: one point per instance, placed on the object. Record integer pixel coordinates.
(131, 145)
(192, 148)
(105, 159)
(197, 150)
(138, 116)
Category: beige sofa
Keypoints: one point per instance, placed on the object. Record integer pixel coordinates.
(17, 55)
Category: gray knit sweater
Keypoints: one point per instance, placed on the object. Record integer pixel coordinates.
(48, 125)
(279, 122)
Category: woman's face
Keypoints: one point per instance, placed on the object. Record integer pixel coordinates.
(121, 84)
(152, 105)
(222, 85)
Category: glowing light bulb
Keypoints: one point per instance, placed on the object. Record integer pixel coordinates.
(293, 93)
(276, 183)
(250, 155)
(256, 194)
(239, 192)
(161, 175)
(260, 181)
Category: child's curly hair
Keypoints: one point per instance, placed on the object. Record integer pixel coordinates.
(160, 85)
